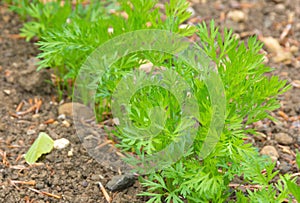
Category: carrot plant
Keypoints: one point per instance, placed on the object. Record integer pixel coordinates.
(250, 95)
(66, 49)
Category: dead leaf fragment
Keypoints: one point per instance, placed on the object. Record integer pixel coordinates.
(49, 121)
(283, 115)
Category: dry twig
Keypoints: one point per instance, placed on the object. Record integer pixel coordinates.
(35, 107)
(44, 193)
(251, 187)
(31, 182)
(4, 158)
(107, 197)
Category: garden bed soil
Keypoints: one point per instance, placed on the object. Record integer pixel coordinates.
(70, 174)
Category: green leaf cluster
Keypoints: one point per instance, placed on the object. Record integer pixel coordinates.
(250, 96)
(65, 47)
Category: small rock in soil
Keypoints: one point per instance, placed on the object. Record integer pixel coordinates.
(7, 92)
(283, 138)
(270, 151)
(39, 186)
(61, 117)
(237, 16)
(42, 127)
(272, 44)
(259, 136)
(120, 182)
(191, 10)
(85, 183)
(280, 8)
(35, 116)
(31, 132)
(67, 110)
(70, 153)
(284, 167)
(95, 177)
(66, 123)
(61, 143)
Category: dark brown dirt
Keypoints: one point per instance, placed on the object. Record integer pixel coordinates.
(75, 177)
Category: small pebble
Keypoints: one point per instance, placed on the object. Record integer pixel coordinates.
(61, 117)
(42, 127)
(120, 182)
(15, 65)
(70, 153)
(78, 108)
(283, 138)
(66, 123)
(94, 177)
(35, 116)
(284, 167)
(85, 183)
(7, 92)
(270, 151)
(55, 123)
(279, 8)
(259, 136)
(61, 143)
(39, 186)
(191, 10)
(237, 16)
(31, 132)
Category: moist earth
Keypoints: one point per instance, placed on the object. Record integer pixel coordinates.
(72, 174)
